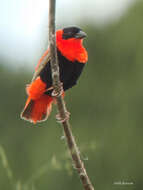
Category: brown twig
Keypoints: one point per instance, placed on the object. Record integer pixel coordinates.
(75, 154)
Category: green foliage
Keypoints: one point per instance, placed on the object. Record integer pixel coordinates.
(106, 107)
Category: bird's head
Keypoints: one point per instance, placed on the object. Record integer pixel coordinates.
(71, 34)
(69, 41)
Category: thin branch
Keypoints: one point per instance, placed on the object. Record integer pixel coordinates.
(75, 154)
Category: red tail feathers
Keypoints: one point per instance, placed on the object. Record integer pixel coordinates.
(37, 110)
(38, 105)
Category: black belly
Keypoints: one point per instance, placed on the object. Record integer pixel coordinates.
(69, 72)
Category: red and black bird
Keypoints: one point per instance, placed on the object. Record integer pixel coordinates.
(72, 57)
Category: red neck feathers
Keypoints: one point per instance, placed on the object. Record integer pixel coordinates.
(71, 48)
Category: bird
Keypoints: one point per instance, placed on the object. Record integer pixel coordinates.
(72, 58)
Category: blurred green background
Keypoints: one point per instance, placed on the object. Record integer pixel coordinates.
(106, 116)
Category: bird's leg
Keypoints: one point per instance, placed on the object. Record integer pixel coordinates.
(51, 88)
(60, 119)
(59, 92)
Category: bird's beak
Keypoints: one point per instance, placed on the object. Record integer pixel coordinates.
(80, 35)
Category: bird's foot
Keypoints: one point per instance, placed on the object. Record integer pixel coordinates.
(58, 93)
(60, 119)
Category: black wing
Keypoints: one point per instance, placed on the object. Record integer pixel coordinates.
(69, 72)
(41, 66)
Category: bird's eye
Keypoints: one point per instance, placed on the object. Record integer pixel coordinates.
(68, 35)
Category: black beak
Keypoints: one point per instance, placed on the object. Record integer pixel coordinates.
(80, 35)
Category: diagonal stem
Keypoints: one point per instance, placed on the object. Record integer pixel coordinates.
(75, 154)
